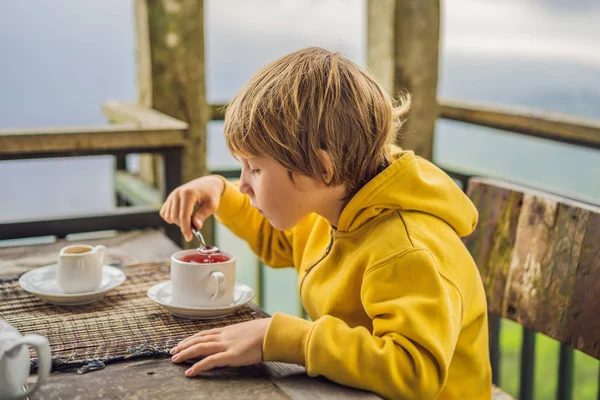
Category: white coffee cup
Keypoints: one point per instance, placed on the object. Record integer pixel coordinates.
(80, 268)
(202, 285)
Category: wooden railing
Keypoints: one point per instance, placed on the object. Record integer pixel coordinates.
(546, 125)
(138, 130)
(557, 127)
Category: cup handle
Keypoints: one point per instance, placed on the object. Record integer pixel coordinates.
(42, 346)
(101, 251)
(220, 279)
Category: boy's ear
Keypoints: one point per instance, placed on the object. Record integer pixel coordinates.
(327, 172)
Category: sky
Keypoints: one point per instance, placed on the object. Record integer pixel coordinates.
(549, 29)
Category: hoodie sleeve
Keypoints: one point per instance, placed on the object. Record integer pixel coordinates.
(273, 246)
(416, 315)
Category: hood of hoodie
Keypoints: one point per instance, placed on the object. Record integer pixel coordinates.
(411, 183)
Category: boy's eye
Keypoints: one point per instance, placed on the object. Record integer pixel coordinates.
(254, 171)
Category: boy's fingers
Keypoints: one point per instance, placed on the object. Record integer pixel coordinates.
(192, 341)
(173, 213)
(185, 212)
(214, 361)
(199, 217)
(162, 209)
(199, 350)
(208, 332)
(166, 210)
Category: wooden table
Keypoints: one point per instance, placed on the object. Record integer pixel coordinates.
(160, 378)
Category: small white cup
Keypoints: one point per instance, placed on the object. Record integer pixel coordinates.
(202, 285)
(80, 268)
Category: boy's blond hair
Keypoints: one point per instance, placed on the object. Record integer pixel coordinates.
(314, 100)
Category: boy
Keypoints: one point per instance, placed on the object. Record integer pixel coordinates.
(373, 232)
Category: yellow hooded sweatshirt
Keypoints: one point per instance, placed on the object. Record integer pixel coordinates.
(396, 301)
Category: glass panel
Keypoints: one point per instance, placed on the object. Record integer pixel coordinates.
(281, 291)
(58, 186)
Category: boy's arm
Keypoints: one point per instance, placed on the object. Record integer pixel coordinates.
(274, 247)
(417, 316)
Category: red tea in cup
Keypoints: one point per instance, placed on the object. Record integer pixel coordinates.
(198, 258)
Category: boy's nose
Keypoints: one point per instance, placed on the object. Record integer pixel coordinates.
(244, 187)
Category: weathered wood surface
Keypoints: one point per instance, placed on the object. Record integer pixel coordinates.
(293, 380)
(88, 139)
(548, 125)
(414, 60)
(124, 113)
(539, 257)
(176, 37)
(150, 165)
(175, 33)
(125, 248)
(217, 111)
(381, 42)
(160, 378)
(143, 115)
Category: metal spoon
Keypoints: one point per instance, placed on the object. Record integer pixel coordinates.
(204, 249)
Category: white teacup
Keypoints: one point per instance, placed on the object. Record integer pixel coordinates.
(202, 285)
(80, 268)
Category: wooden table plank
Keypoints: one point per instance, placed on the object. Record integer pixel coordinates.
(125, 248)
(160, 379)
(293, 380)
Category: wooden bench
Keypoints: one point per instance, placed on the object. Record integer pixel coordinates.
(539, 258)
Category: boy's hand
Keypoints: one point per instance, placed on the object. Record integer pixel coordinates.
(178, 208)
(235, 345)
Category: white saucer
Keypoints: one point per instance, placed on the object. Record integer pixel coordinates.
(42, 283)
(161, 294)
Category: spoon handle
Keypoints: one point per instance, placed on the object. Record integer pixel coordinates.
(198, 235)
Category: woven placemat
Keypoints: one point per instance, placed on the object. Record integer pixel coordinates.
(125, 324)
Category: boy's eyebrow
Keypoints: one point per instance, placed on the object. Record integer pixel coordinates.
(253, 159)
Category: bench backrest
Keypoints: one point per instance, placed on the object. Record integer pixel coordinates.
(539, 258)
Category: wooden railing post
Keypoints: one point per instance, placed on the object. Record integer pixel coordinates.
(150, 171)
(402, 53)
(175, 73)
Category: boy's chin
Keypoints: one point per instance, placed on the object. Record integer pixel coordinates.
(281, 225)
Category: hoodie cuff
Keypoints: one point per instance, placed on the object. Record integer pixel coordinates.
(231, 203)
(286, 339)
